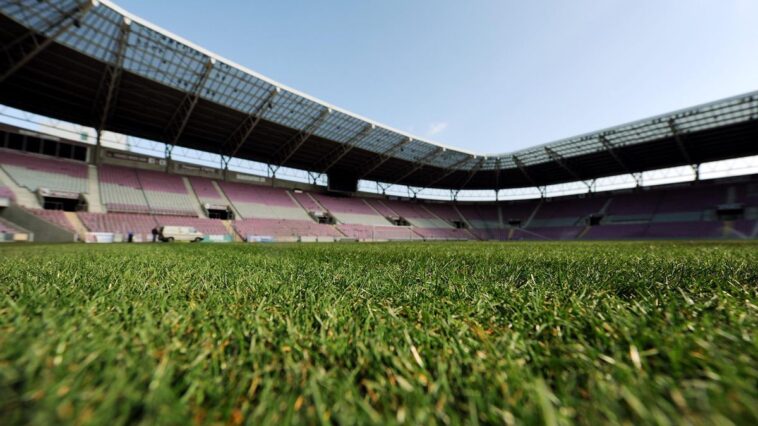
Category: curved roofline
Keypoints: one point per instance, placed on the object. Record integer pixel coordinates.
(641, 121)
(271, 81)
(280, 85)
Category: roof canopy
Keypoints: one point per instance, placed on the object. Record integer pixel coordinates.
(94, 64)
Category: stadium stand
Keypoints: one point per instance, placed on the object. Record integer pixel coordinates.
(445, 212)
(34, 172)
(284, 228)
(165, 193)
(121, 191)
(253, 201)
(138, 200)
(205, 190)
(483, 216)
(307, 202)
(382, 208)
(351, 210)
(56, 217)
(416, 214)
(121, 223)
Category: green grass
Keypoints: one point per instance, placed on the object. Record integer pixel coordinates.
(553, 333)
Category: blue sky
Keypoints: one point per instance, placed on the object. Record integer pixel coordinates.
(487, 76)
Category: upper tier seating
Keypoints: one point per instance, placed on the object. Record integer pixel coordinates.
(633, 206)
(567, 212)
(121, 191)
(692, 199)
(166, 194)
(518, 210)
(262, 202)
(382, 208)
(33, 172)
(307, 202)
(416, 214)
(444, 211)
(206, 192)
(351, 210)
(481, 215)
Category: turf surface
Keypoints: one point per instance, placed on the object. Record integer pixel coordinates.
(350, 333)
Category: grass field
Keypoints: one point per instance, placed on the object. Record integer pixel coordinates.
(553, 333)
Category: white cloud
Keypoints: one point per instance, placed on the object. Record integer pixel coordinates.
(436, 128)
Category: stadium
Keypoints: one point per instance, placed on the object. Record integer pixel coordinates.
(554, 284)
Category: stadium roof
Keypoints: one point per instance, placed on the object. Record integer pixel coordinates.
(93, 63)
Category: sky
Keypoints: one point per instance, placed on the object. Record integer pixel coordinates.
(488, 76)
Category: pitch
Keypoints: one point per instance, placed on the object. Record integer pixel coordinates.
(554, 333)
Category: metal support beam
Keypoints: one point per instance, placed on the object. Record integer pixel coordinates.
(611, 148)
(679, 143)
(314, 177)
(558, 158)
(450, 170)
(383, 157)
(329, 160)
(497, 177)
(420, 163)
(237, 138)
(472, 173)
(612, 151)
(283, 154)
(108, 91)
(22, 50)
(179, 120)
(383, 187)
(637, 178)
(273, 169)
(522, 167)
(683, 149)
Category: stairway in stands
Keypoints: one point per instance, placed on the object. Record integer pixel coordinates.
(79, 227)
(93, 191)
(226, 199)
(230, 229)
(196, 204)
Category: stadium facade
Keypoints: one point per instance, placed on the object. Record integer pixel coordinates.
(93, 64)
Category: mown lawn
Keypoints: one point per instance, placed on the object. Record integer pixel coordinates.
(444, 333)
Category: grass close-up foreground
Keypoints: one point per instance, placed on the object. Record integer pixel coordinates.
(448, 333)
